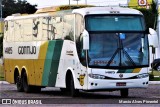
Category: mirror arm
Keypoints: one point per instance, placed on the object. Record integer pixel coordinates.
(147, 31)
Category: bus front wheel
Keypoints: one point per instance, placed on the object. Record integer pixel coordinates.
(124, 93)
(74, 92)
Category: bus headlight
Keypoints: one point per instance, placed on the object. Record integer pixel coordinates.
(143, 75)
(96, 76)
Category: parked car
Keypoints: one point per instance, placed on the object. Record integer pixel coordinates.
(156, 64)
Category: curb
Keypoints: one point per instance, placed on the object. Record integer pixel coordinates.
(150, 82)
(154, 82)
(4, 82)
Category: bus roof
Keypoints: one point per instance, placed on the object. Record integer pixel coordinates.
(83, 10)
(106, 10)
(19, 16)
(59, 8)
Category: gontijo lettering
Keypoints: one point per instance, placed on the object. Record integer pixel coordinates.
(27, 50)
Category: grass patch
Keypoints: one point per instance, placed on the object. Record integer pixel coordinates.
(156, 79)
(155, 73)
(1, 78)
(1, 73)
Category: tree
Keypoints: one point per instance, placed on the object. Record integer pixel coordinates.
(11, 7)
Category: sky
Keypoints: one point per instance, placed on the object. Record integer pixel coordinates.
(47, 3)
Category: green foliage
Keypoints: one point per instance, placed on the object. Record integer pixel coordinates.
(1, 73)
(151, 77)
(1, 46)
(11, 7)
(150, 15)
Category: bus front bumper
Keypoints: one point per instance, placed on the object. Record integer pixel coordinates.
(102, 84)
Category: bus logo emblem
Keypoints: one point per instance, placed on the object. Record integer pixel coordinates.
(120, 75)
(81, 79)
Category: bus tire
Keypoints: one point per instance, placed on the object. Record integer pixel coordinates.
(124, 93)
(35, 89)
(73, 92)
(64, 90)
(158, 67)
(18, 82)
(26, 86)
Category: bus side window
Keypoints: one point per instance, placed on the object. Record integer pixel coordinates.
(58, 27)
(5, 29)
(68, 28)
(10, 32)
(48, 28)
(79, 25)
(37, 29)
(5, 26)
(18, 30)
(27, 30)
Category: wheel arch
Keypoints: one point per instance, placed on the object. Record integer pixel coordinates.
(69, 73)
(24, 69)
(16, 72)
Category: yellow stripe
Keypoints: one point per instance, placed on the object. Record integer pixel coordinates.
(34, 68)
(137, 70)
(39, 64)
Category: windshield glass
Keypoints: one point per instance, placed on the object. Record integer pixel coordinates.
(118, 49)
(115, 23)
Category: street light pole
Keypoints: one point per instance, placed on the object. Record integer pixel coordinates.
(77, 1)
(1, 9)
(69, 2)
(86, 2)
(1, 16)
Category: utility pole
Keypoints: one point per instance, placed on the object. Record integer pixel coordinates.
(86, 2)
(1, 17)
(77, 1)
(69, 2)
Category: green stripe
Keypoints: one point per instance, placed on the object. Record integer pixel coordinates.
(125, 71)
(55, 63)
(129, 71)
(52, 63)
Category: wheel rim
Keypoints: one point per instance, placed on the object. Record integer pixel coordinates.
(18, 82)
(25, 83)
(158, 68)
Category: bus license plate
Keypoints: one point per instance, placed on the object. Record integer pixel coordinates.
(121, 84)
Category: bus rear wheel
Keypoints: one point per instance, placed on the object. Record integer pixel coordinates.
(26, 86)
(124, 93)
(19, 83)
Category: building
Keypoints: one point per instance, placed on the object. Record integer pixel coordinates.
(140, 3)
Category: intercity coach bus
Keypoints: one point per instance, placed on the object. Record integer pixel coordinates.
(89, 49)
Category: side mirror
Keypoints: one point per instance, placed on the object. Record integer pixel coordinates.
(153, 38)
(85, 36)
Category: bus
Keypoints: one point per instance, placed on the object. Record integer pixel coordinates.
(86, 48)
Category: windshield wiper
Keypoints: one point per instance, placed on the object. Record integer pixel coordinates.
(119, 50)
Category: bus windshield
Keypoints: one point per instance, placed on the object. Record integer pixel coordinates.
(125, 46)
(115, 23)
